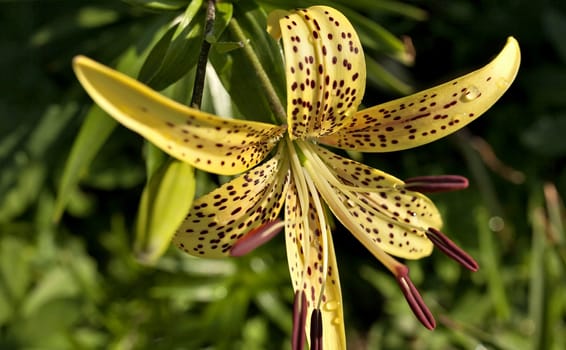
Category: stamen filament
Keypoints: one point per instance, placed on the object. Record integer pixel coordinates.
(342, 213)
(324, 171)
(302, 192)
(334, 182)
(299, 321)
(323, 231)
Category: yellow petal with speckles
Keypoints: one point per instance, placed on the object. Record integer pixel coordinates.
(208, 142)
(325, 70)
(430, 114)
(218, 219)
(372, 203)
(305, 258)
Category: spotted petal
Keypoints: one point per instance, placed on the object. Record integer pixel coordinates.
(218, 219)
(208, 142)
(431, 114)
(325, 70)
(373, 204)
(304, 238)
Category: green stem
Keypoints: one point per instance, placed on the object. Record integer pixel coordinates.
(200, 75)
(264, 80)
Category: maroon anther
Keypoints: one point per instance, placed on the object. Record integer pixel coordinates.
(299, 321)
(450, 248)
(316, 330)
(433, 184)
(414, 299)
(256, 237)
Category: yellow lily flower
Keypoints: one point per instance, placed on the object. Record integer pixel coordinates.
(326, 78)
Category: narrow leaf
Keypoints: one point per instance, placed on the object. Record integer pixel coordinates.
(94, 132)
(235, 71)
(174, 55)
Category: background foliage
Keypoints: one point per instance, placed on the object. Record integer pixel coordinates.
(69, 278)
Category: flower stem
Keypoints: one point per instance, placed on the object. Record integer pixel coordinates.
(264, 80)
(198, 88)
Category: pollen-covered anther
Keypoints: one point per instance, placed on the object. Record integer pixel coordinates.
(414, 298)
(433, 184)
(316, 330)
(257, 237)
(451, 249)
(299, 321)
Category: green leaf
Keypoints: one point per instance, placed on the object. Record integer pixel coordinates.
(374, 36)
(15, 277)
(489, 260)
(165, 202)
(381, 77)
(235, 71)
(394, 7)
(25, 168)
(162, 5)
(177, 51)
(58, 283)
(95, 130)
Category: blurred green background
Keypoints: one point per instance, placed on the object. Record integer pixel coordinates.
(69, 278)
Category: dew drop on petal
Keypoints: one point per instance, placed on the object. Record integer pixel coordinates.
(471, 93)
(336, 321)
(331, 305)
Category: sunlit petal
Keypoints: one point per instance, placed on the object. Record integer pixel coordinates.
(431, 114)
(208, 142)
(218, 219)
(304, 240)
(325, 70)
(377, 206)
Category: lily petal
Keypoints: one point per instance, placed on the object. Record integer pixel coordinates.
(305, 254)
(208, 142)
(372, 203)
(325, 68)
(430, 114)
(218, 219)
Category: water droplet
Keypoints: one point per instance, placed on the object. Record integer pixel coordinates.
(471, 93)
(332, 305)
(455, 119)
(336, 321)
